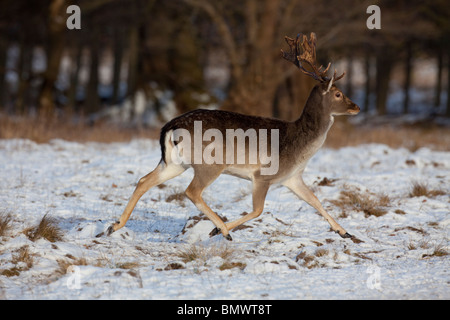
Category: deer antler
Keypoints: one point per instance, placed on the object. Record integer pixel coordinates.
(301, 51)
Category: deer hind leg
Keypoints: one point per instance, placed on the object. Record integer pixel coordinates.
(297, 185)
(161, 174)
(202, 178)
(258, 195)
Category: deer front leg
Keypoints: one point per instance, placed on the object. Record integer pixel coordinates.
(297, 185)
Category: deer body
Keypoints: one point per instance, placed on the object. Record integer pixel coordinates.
(296, 142)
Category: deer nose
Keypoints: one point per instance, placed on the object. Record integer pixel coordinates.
(354, 109)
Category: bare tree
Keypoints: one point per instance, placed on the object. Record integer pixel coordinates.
(56, 27)
(249, 32)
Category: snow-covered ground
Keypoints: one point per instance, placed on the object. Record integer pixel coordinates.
(288, 252)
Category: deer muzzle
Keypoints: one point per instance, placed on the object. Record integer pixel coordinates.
(353, 109)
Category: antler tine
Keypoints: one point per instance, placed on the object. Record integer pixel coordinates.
(303, 51)
(337, 78)
(309, 56)
(326, 70)
(294, 50)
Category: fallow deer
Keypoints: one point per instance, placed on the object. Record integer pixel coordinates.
(296, 141)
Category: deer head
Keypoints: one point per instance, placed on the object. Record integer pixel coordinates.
(303, 52)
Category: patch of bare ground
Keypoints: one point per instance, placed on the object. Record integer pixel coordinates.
(43, 129)
(312, 260)
(412, 137)
(178, 197)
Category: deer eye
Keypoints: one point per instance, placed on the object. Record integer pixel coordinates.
(338, 94)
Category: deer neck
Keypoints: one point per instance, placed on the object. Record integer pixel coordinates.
(314, 121)
(310, 130)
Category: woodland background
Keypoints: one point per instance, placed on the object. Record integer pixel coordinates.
(224, 53)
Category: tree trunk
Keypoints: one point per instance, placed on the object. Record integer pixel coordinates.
(133, 56)
(384, 63)
(251, 98)
(3, 51)
(408, 73)
(448, 84)
(24, 70)
(72, 94)
(118, 54)
(56, 28)
(255, 76)
(367, 85)
(438, 87)
(349, 76)
(92, 103)
(254, 92)
(291, 96)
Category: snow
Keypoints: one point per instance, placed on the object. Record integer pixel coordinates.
(288, 252)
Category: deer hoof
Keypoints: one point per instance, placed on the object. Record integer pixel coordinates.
(110, 229)
(214, 232)
(346, 235)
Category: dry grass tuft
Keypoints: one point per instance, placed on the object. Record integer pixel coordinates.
(310, 261)
(370, 204)
(438, 251)
(420, 189)
(128, 265)
(47, 229)
(230, 265)
(5, 223)
(326, 182)
(202, 254)
(63, 265)
(23, 255)
(321, 252)
(174, 266)
(22, 259)
(197, 252)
